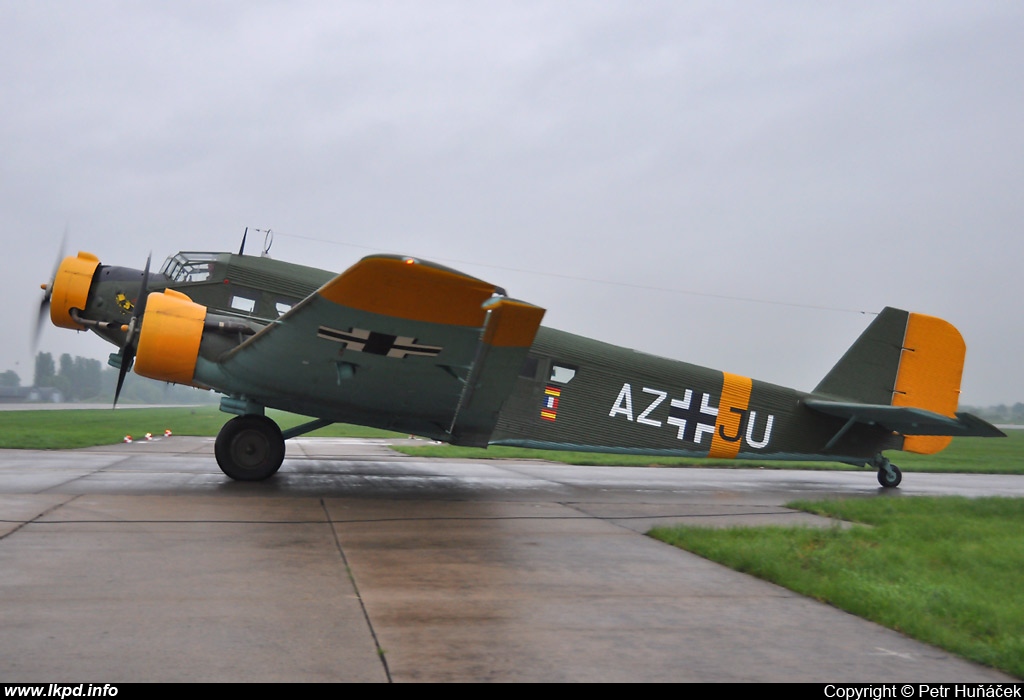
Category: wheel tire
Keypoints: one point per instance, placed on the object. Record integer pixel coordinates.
(249, 448)
(890, 480)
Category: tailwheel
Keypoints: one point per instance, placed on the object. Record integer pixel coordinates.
(889, 475)
(249, 448)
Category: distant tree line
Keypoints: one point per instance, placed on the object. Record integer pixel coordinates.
(78, 379)
(84, 379)
(1012, 415)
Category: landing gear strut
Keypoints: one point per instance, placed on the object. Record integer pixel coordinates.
(889, 475)
(249, 448)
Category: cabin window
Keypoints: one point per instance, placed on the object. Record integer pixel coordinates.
(562, 373)
(244, 304)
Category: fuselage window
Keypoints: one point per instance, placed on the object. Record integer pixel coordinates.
(282, 307)
(244, 304)
(562, 374)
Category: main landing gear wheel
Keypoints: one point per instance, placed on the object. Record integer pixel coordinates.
(890, 476)
(249, 448)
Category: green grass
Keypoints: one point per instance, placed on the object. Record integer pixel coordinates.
(943, 570)
(965, 455)
(970, 455)
(66, 429)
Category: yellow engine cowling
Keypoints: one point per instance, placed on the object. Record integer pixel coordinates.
(172, 329)
(70, 289)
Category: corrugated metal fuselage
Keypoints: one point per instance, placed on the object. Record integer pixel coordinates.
(582, 394)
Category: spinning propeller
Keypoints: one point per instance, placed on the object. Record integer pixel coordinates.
(44, 303)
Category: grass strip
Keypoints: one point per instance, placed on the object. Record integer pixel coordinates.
(68, 429)
(944, 570)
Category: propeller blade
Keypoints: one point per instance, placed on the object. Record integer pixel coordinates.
(60, 253)
(134, 327)
(126, 364)
(140, 304)
(44, 303)
(37, 331)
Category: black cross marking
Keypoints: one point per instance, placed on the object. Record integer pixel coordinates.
(360, 340)
(687, 416)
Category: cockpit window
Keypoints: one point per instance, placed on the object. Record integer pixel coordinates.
(189, 267)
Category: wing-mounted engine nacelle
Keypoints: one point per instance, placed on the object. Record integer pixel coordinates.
(171, 331)
(69, 289)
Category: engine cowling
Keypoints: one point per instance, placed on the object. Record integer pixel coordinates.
(70, 289)
(172, 329)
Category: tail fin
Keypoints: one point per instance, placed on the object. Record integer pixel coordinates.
(903, 359)
(867, 372)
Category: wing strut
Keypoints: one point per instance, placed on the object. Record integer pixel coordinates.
(506, 335)
(840, 433)
(479, 358)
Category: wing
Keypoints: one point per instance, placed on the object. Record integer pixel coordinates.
(392, 342)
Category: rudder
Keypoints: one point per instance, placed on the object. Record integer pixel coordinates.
(931, 366)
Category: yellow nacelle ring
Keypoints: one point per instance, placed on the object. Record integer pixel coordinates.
(172, 329)
(70, 289)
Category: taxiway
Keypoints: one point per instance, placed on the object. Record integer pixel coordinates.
(142, 562)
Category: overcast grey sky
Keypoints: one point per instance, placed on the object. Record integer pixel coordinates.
(717, 167)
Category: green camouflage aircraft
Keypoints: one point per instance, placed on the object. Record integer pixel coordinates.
(407, 345)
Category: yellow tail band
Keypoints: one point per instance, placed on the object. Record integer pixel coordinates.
(931, 365)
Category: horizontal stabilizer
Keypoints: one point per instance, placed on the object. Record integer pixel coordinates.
(907, 420)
